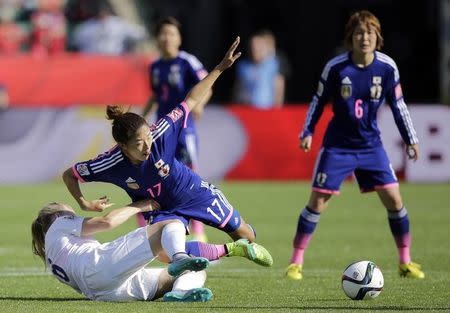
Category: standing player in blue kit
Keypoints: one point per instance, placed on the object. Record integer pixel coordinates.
(358, 82)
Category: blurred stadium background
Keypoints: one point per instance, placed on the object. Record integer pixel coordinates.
(55, 117)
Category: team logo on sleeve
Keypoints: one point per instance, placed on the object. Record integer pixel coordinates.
(175, 114)
(321, 179)
(131, 183)
(376, 89)
(163, 168)
(82, 169)
(346, 88)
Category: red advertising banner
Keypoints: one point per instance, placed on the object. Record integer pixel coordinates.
(69, 79)
(273, 151)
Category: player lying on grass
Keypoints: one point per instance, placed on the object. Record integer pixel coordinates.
(116, 270)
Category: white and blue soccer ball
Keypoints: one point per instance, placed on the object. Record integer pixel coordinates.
(362, 280)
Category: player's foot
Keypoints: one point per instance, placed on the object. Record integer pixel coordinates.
(193, 295)
(251, 251)
(411, 270)
(187, 264)
(294, 271)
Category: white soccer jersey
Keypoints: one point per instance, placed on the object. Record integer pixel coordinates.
(112, 271)
(67, 254)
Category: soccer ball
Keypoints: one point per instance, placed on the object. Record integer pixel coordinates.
(362, 280)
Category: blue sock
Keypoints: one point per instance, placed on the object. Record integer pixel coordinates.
(399, 222)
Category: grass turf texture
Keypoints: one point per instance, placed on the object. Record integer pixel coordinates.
(353, 228)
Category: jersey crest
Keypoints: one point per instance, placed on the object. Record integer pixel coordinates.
(163, 168)
(174, 75)
(376, 89)
(346, 88)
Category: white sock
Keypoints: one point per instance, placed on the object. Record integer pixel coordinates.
(173, 239)
(189, 281)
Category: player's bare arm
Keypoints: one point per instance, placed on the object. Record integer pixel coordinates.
(73, 186)
(197, 94)
(116, 217)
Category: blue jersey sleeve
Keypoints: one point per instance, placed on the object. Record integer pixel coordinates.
(195, 71)
(394, 97)
(318, 102)
(96, 170)
(166, 131)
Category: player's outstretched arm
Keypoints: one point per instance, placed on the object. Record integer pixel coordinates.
(74, 188)
(116, 217)
(198, 93)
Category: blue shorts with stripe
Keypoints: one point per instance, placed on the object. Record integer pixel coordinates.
(210, 207)
(371, 168)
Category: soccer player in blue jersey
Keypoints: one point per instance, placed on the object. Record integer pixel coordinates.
(358, 82)
(172, 76)
(143, 163)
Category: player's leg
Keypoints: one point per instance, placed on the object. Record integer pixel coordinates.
(307, 222)
(399, 225)
(188, 287)
(173, 243)
(213, 252)
(376, 173)
(212, 208)
(331, 169)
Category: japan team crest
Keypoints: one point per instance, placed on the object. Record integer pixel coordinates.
(376, 89)
(163, 168)
(174, 75)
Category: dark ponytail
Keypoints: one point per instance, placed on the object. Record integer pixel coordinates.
(125, 124)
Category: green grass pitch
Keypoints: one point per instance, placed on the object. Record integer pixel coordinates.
(353, 228)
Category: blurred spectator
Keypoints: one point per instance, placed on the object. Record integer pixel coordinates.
(12, 35)
(4, 98)
(48, 28)
(259, 79)
(107, 33)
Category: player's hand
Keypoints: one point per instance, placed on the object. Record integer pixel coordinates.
(97, 205)
(230, 56)
(413, 152)
(305, 143)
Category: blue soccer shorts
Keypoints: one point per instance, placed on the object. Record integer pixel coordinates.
(371, 168)
(210, 206)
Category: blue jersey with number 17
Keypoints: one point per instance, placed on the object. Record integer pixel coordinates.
(356, 94)
(160, 177)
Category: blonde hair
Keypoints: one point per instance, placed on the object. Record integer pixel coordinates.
(46, 216)
(366, 18)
